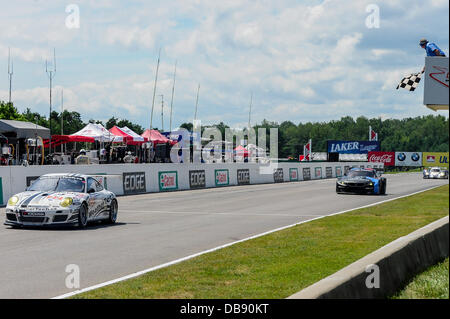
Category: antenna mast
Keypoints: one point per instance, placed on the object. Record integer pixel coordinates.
(162, 111)
(173, 90)
(196, 104)
(10, 72)
(154, 90)
(250, 111)
(51, 75)
(62, 121)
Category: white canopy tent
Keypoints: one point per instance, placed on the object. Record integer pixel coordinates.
(99, 133)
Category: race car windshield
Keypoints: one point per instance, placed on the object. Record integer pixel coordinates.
(361, 174)
(436, 170)
(58, 184)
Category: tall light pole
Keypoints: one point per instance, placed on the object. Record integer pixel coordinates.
(173, 91)
(62, 121)
(196, 104)
(154, 90)
(51, 74)
(250, 111)
(10, 72)
(162, 111)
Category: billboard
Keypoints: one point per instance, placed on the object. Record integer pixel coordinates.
(352, 147)
(221, 177)
(168, 181)
(133, 183)
(197, 179)
(293, 174)
(408, 158)
(434, 159)
(388, 158)
(435, 93)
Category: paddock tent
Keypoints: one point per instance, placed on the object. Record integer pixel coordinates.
(128, 136)
(21, 129)
(99, 133)
(156, 137)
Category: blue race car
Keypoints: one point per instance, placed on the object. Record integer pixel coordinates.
(361, 181)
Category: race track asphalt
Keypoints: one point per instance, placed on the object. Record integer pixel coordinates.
(153, 229)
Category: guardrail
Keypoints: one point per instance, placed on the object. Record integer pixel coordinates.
(128, 179)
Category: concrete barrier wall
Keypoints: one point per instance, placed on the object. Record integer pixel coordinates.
(175, 176)
(384, 272)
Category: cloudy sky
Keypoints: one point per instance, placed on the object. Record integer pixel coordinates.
(303, 60)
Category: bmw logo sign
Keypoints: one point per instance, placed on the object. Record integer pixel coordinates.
(415, 157)
(401, 157)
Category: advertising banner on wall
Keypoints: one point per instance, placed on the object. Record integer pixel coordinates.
(134, 183)
(352, 147)
(293, 174)
(329, 172)
(168, 180)
(434, 159)
(318, 172)
(306, 173)
(388, 158)
(243, 176)
(338, 171)
(197, 179)
(408, 158)
(278, 175)
(221, 177)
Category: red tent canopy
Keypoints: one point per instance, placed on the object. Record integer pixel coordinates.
(128, 136)
(240, 150)
(156, 138)
(61, 139)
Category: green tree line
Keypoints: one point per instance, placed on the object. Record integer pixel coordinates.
(421, 134)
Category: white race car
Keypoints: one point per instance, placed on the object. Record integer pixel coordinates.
(436, 172)
(62, 199)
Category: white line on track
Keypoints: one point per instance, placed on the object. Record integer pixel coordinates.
(211, 213)
(136, 274)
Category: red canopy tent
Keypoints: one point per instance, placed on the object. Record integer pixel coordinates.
(128, 136)
(241, 151)
(156, 138)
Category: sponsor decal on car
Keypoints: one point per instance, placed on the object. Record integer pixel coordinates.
(243, 176)
(278, 176)
(221, 177)
(134, 183)
(197, 179)
(168, 180)
(293, 174)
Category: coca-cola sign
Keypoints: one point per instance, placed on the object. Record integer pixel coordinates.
(388, 158)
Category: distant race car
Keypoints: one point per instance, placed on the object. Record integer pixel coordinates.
(362, 181)
(62, 199)
(435, 172)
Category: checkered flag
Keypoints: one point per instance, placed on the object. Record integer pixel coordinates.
(410, 82)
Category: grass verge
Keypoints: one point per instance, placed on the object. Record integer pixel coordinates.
(282, 263)
(431, 284)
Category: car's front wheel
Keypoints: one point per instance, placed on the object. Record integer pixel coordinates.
(113, 212)
(383, 187)
(83, 216)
